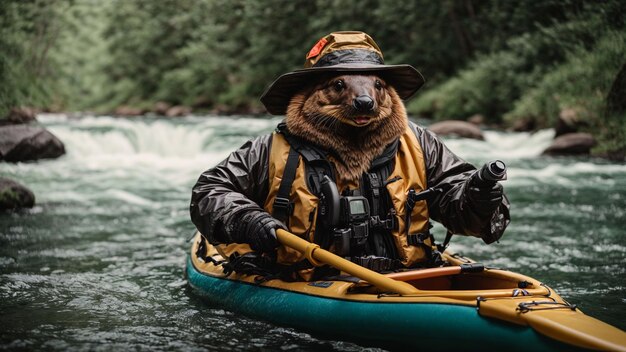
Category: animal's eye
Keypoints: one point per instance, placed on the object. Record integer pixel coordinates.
(378, 85)
(339, 85)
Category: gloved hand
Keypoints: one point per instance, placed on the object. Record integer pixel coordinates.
(484, 197)
(258, 229)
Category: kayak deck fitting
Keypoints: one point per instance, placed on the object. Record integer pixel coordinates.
(488, 310)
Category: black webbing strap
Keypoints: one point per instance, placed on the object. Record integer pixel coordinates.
(410, 204)
(283, 207)
(310, 152)
(442, 247)
(375, 186)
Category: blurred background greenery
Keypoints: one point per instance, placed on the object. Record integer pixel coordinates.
(516, 63)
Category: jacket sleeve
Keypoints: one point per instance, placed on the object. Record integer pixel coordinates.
(452, 207)
(237, 184)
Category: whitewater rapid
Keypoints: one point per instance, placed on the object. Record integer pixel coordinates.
(98, 263)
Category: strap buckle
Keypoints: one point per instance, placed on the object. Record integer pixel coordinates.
(387, 224)
(375, 263)
(283, 208)
(417, 239)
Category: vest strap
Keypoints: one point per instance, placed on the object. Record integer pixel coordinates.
(442, 247)
(283, 207)
(309, 151)
(374, 190)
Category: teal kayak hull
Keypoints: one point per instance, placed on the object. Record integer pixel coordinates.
(409, 326)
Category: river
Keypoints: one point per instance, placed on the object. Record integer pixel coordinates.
(98, 263)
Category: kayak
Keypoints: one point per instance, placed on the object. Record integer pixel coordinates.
(461, 306)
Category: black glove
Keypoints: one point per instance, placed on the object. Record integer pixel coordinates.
(484, 197)
(258, 229)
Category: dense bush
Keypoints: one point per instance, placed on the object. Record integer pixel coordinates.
(580, 83)
(28, 32)
(494, 83)
(224, 53)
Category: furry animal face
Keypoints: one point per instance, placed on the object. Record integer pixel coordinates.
(354, 116)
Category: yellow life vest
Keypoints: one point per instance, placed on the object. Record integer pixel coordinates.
(409, 173)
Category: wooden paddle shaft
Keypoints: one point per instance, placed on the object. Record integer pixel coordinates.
(317, 255)
(424, 274)
(436, 272)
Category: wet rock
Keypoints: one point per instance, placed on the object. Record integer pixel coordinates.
(476, 119)
(571, 144)
(161, 107)
(523, 125)
(568, 122)
(457, 128)
(14, 195)
(125, 110)
(21, 115)
(27, 142)
(178, 110)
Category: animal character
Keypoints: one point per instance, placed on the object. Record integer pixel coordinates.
(346, 132)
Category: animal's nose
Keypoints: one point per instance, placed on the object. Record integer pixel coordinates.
(363, 103)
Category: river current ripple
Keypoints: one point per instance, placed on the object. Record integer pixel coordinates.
(98, 263)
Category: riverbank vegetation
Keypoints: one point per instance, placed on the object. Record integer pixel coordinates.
(520, 64)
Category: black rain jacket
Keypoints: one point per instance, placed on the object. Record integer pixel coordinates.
(240, 183)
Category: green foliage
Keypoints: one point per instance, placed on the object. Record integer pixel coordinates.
(226, 52)
(505, 60)
(580, 83)
(492, 83)
(28, 30)
(143, 38)
(52, 53)
(81, 54)
(487, 88)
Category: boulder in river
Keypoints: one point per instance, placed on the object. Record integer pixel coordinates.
(476, 119)
(523, 125)
(21, 115)
(569, 121)
(571, 144)
(161, 107)
(14, 195)
(178, 110)
(457, 128)
(28, 142)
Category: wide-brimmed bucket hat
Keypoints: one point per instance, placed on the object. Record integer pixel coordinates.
(341, 52)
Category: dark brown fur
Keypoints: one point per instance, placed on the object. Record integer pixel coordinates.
(324, 115)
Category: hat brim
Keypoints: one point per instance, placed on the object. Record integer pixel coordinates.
(405, 79)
